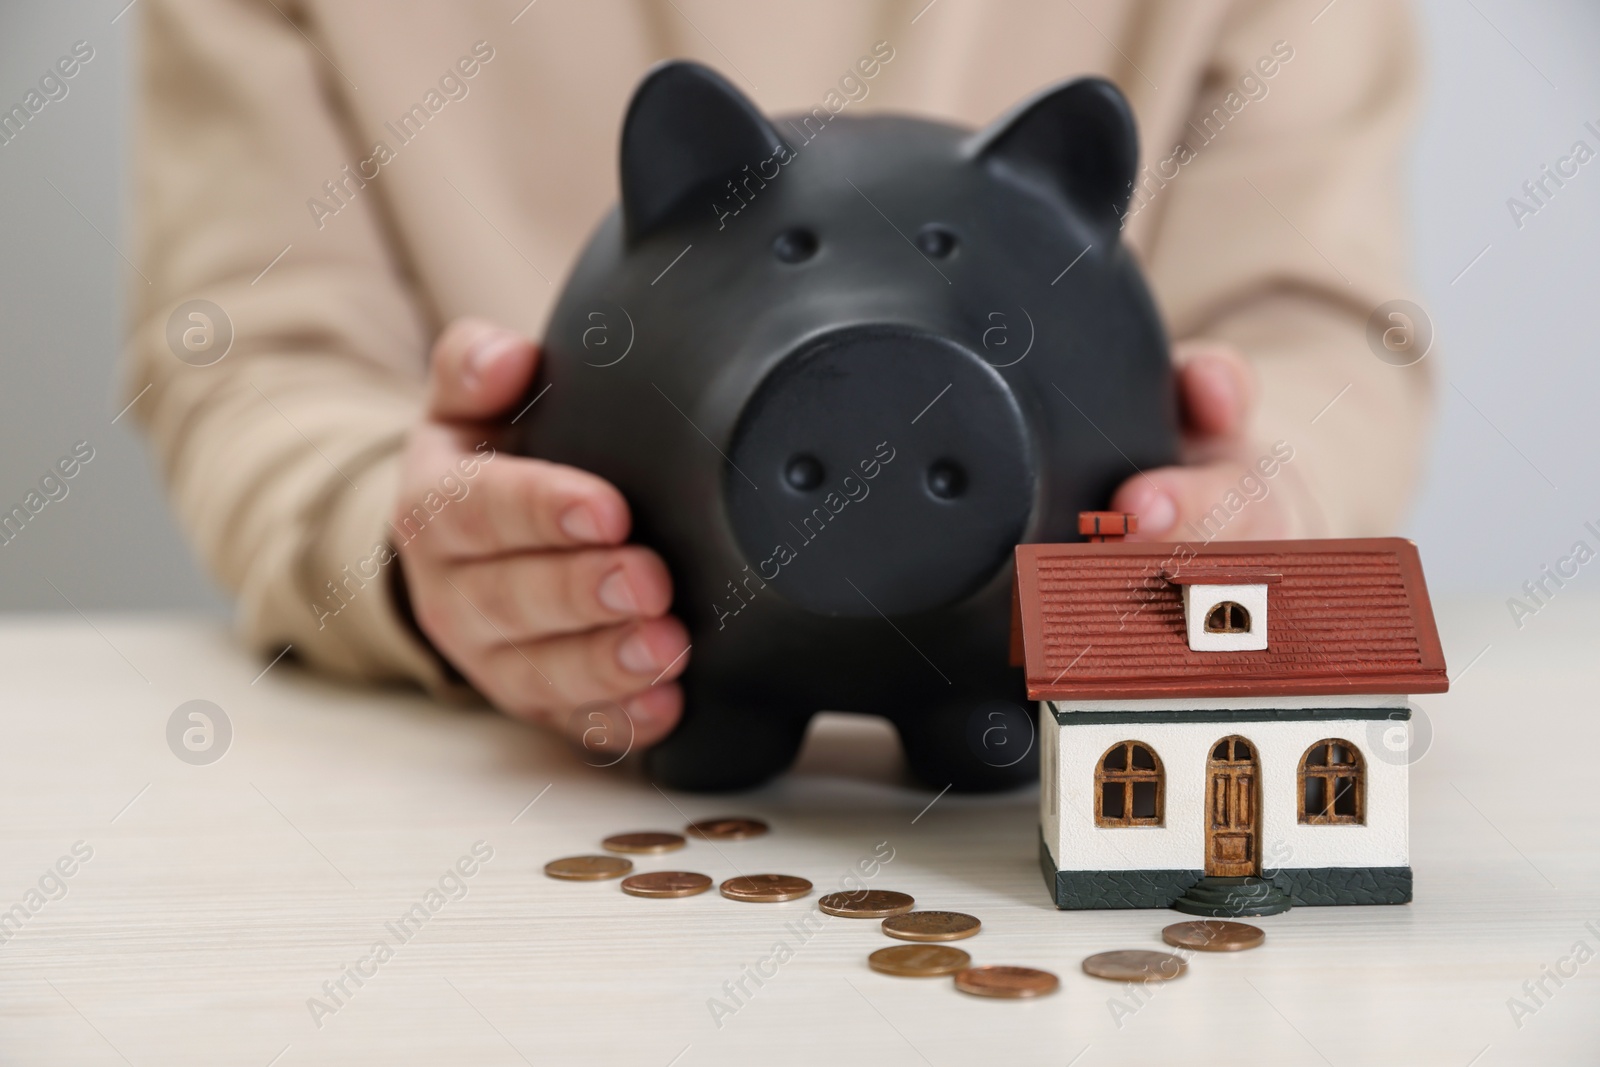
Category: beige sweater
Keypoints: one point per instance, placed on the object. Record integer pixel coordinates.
(343, 177)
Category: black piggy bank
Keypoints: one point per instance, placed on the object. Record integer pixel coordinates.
(841, 367)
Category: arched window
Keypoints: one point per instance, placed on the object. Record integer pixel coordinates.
(1130, 786)
(1228, 617)
(1333, 783)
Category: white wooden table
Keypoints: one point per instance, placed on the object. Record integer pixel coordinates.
(219, 898)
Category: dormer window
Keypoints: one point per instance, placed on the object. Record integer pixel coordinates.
(1224, 611)
(1228, 617)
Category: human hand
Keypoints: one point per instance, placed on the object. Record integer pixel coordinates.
(523, 581)
(1222, 491)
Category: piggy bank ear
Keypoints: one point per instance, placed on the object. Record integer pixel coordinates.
(686, 134)
(1077, 141)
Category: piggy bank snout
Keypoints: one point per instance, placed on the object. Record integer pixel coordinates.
(879, 471)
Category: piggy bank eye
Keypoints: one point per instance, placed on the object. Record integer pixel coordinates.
(795, 245)
(935, 241)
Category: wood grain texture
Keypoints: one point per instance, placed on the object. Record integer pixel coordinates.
(219, 898)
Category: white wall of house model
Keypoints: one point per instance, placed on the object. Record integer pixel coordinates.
(1070, 755)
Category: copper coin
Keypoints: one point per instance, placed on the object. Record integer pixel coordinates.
(1213, 935)
(643, 841)
(1135, 965)
(1010, 983)
(931, 926)
(666, 884)
(728, 828)
(765, 888)
(588, 868)
(918, 961)
(867, 904)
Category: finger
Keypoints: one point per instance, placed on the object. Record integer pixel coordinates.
(1216, 388)
(524, 598)
(654, 713)
(507, 504)
(1225, 500)
(478, 370)
(608, 730)
(560, 673)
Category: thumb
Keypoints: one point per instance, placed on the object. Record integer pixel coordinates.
(1216, 388)
(478, 370)
(1224, 500)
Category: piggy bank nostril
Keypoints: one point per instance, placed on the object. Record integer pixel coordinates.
(803, 473)
(946, 479)
(935, 241)
(795, 245)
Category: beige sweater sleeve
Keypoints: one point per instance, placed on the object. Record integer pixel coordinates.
(281, 456)
(1283, 233)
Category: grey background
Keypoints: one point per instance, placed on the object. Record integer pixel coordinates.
(1511, 475)
(111, 543)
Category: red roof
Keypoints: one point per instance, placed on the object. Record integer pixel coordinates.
(1105, 621)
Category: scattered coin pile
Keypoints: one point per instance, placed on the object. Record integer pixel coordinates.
(588, 868)
(646, 843)
(919, 961)
(1213, 935)
(1006, 982)
(1204, 935)
(924, 959)
(1135, 965)
(730, 829)
(765, 888)
(867, 904)
(666, 884)
(931, 926)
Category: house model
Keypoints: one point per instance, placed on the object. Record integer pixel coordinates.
(1224, 727)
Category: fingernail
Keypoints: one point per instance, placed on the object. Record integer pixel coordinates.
(634, 654)
(485, 354)
(642, 709)
(1224, 389)
(579, 523)
(1156, 510)
(616, 594)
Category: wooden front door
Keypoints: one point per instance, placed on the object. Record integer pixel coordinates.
(1233, 809)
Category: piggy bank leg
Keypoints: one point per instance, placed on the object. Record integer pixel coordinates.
(726, 744)
(974, 747)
